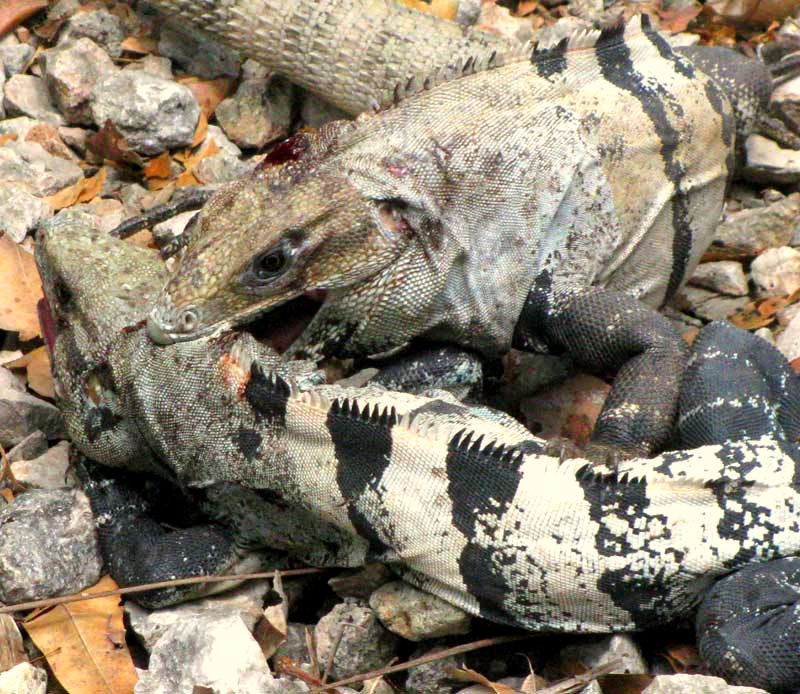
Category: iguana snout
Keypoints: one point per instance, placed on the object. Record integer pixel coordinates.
(276, 248)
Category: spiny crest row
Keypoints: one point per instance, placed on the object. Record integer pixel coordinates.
(464, 442)
(590, 475)
(580, 39)
(384, 416)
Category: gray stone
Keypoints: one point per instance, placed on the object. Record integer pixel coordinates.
(19, 126)
(776, 272)
(20, 211)
(723, 277)
(14, 56)
(75, 138)
(315, 111)
(32, 446)
(154, 64)
(788, 341)
(48, 545)
(100, 26)
(109, 212)
(415, 615)
(153, 114)
(363, 644)
(433, 677)
(768, 162)
(22, 413)
(23, 679)
(294, 646)
(709, 305)
(253, 70)
(47, 471)
(28, 163)
(244, 601)
(195, 52)
(468, 12)
(2, 89)
(71, 72)
(594, 652)
(361, 582)
(592, 688)
(695, 684)
(210, 651)
(219, 168)
(26, 95)
(260, 111)
(758, 229)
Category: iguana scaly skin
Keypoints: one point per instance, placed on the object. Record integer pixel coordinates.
(547, 200)
(354, 53)
(461, 503)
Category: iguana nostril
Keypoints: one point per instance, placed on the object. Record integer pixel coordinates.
(188, 320)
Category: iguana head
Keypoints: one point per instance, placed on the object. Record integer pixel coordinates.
(294, 236)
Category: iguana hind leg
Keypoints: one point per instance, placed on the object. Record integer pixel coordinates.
(137, 549)
(748, 626)
(610, 331)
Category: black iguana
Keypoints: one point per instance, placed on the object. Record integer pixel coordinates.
(462, 503)
(543, 199)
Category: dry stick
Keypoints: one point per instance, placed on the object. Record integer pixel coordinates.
(431, 657)
(77, 597)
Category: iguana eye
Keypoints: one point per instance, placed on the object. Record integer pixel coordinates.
(270, 264)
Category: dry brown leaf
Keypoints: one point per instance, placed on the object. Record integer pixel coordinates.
(770, 306)
(209, 93)
(141, 45)
(682, 657)
(201, 130)
(159, 167)
(8, 137)
(12, 652)
(526, 7)
(187, 178)
(750, 320)
(761, 12)
(271, 629)
(84, 644)
(467, 675)
(20, 290)
(678, 18)
(446, 9)
(624, 684)
(14, 12)
(37, 368)
(108, 143)
(66, 197)
(795, 364)
(92, 186)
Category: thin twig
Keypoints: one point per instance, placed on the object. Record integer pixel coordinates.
(77, 597)
(579, 682)
(311, 647)
(332, 656)
(430, 658)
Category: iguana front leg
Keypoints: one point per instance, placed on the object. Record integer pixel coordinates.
(609, 331)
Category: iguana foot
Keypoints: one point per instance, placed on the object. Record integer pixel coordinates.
(441, 367)
(138, 550)
(610, 331)
(748, 626)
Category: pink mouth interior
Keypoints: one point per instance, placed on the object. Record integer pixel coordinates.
(283, 325)
(47, 323)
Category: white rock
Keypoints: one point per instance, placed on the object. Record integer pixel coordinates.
(23, 679)
(776, 272)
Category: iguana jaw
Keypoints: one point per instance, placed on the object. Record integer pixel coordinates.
(279, 325)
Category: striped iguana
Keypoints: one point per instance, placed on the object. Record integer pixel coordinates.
(459, 501)
(546, 199)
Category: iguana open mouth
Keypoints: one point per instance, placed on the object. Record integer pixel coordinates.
(283, 325)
